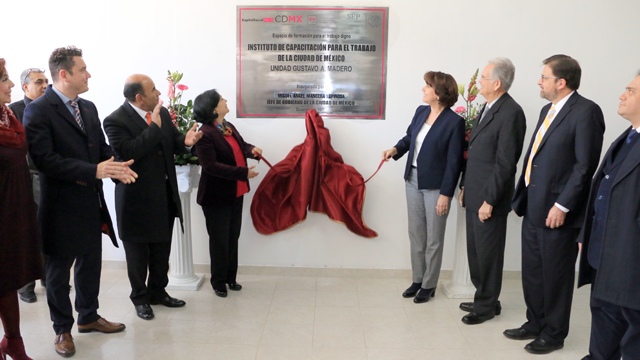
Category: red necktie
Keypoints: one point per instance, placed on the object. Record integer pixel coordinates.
(148, 117)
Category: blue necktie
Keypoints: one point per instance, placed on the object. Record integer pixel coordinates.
(631, 135)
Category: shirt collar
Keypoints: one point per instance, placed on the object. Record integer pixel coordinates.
(62, 96)
(26, 100)
(140, 112)
(489, 105)
(561, 103)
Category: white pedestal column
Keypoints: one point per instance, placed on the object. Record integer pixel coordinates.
(460, 286)
(181, 273)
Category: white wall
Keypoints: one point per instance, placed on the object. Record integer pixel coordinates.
(198, 38)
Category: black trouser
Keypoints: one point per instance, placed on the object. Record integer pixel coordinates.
(615, 330)
(548, 273)
(87, 285)
(155, 258)
(485, 250)
(223, 226)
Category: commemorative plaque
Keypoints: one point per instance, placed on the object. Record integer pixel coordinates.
(294, 58)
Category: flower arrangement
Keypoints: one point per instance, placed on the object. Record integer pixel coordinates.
(471, 111)
(181, 114)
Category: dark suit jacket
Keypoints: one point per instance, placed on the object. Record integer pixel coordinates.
(441, 156)
(618, 273)
(18, 110)
(72, 210)
(218, 183)
(495, 146)
(18, 107)
(144, 207)
(564, 164)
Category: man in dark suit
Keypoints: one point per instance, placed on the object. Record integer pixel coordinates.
(34, 83)
(142, 130)
(610, 246)
(551, 193)
(495, 146)
(68, 147)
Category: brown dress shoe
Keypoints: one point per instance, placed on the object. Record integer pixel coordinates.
(103, 326)
(64, 345)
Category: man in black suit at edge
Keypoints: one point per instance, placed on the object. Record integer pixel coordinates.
(34, 83)
(551, 195)
(142, 130)
(610, 239)
(495, 145)
(68, 147)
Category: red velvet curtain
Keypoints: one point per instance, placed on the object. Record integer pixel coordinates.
(312, 176)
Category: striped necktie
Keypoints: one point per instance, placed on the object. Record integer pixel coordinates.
(539, 136)
(76, 108)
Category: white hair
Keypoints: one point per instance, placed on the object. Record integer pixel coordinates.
(503, 71)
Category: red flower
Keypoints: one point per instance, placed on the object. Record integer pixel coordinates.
(182, 87)
(471, 98)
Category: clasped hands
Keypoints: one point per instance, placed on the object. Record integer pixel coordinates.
(116, 170)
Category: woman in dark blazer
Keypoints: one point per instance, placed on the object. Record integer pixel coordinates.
(434, 142)
(225, 179)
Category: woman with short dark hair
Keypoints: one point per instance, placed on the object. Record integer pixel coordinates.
(434, 141)
(225, 179)
(20, 261)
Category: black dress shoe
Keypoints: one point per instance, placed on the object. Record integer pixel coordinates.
(474, 319)
(28, 296)
(411, 291)
(168, 301)
(468, 307)
(519, 334)
(539, 346)
(220, 289)
(235, 286)
(144, 312)
(424, 295)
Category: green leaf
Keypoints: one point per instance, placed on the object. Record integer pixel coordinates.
(461, 89)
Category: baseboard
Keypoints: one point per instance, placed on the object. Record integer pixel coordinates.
(315, 272)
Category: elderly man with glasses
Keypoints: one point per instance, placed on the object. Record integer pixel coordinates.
(495, 145)
(34, 83)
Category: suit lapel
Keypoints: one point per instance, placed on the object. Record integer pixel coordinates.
(631, 162)
(62, 110)
(488, 117)
(558, 119)
(135, 117)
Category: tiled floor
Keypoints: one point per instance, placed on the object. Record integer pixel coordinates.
(285, 317)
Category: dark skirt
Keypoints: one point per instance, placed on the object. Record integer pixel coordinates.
(20, 259)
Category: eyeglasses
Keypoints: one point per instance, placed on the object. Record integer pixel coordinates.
(543, 78)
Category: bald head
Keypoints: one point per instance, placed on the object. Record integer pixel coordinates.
(141, 92)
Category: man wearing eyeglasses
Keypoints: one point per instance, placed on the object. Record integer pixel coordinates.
(551, 195)
(495, 145)
(34, 83)
(610, 246)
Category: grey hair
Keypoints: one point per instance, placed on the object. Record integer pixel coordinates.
(503, 71)
(25, 78)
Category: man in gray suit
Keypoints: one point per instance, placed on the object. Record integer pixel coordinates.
(495, 145)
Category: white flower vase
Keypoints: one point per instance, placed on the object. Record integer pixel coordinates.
(181, 274)
(460, 285)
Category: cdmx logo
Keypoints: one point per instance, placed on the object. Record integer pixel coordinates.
(288, 19)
